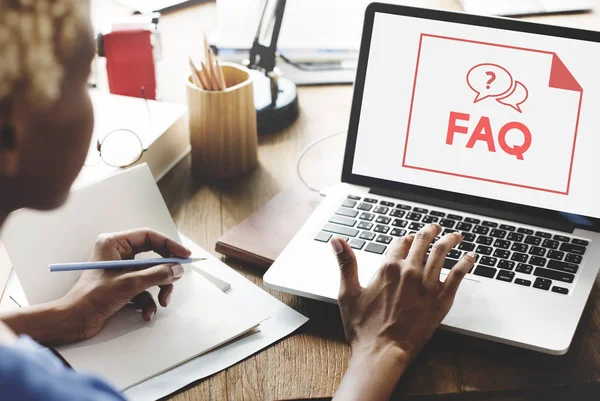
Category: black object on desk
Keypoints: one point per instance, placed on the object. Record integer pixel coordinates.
(275, 96)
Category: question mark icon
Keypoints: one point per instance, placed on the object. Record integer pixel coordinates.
(492, 78)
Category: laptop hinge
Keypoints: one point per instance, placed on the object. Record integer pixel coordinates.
(563, 226)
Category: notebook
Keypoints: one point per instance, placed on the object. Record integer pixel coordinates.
(128, 351)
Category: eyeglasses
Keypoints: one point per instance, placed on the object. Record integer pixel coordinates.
(119, 148)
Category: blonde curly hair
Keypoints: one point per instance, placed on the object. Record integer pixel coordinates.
(36, 38)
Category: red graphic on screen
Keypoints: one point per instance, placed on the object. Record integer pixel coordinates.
(490, 80)
(514, 139)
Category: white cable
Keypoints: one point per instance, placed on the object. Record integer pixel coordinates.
(305, 151)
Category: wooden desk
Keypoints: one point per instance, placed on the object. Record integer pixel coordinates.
(311, 362)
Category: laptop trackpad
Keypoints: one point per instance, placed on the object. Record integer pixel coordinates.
(462, 309)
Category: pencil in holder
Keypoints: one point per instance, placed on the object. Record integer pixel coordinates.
(223, 130)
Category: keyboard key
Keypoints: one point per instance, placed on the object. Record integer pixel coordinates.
(365, 206)
(462, 226)
(466, 246)
(573, 258)
(356, 243)
(353, 197)
(454, 217)
(548, 243)
(398, 232)
(524, 231)
(342, 211)
(557, 255)
(472, 220)
(488, 261)
(365, 225)
(485, 271)
(381, 210)
(379, 228)
(416, 226)
(489, 224)
(561, 238)
(498, 233)
(506, 264)
(448, 231)
(336, 229)
(537, 251)
(507, 227)
(383, 220)
(323, 237)
(454, 254)
(542, 284)
(580, 242)
(531, 240)
(524, 268)
(537, 261)
(560, 290)
(371, 200)
(500, 243)
(437, 214)
(449, 263)
(375, 248)
(515, 237)
(563, 266)
(414, 216)
(520, 281)
(386, 203)
(468, 237)
(345, 221)
(481, 230)
(342, 237)
(367, 216)
(384, 239)
(483, 250)
(505, 275)
(349, 203)
(369, 236)
(576, 249)
(399, 223)
(430, 219)
(397, 213)
(403, 207)
(482, 239)
(519, 257)
(447, 223)
(501, 253)
(420, 210)
(554, 275)
(519, 248)
(543, 234)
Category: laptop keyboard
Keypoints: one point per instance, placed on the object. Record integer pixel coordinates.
(506, 252)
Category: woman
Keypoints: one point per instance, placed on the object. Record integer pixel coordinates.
(46, 120)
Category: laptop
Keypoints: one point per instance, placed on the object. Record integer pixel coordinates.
(525, 7)
(479, 124)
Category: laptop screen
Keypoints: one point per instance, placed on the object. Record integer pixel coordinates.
(489, 112)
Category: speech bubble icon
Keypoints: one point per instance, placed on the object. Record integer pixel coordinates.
(516, 98)
(489, 80)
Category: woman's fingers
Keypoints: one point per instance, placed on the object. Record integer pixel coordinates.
(398, 250)
(456, 275)
(145, 240)
(421, 243)
(161, 275)
(145, 302)
(164, 295)
(437, 256)
(349, 284)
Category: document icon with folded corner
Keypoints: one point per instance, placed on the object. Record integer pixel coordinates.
(493, 112)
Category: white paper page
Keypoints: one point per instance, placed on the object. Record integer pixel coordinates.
(129, 350)
(35, 239)
(307, 24)
(283, 321)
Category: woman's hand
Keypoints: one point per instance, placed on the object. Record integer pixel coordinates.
(99, 294)
(388, 322)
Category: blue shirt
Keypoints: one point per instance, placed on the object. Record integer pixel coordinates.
(29, 372)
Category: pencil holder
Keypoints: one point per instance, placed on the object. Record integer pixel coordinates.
(223, 130)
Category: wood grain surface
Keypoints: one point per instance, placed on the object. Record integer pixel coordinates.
(310, 363)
